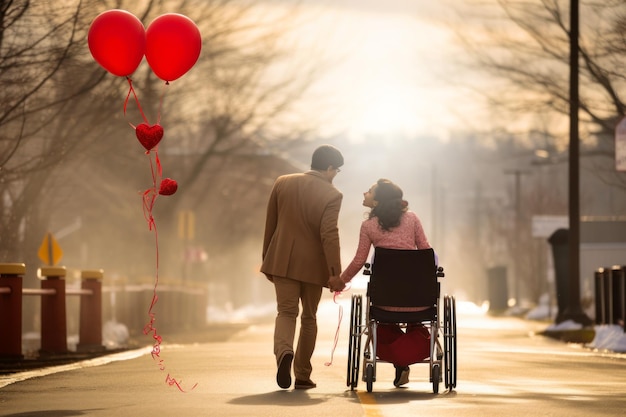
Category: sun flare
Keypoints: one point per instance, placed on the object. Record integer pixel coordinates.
(386, 80)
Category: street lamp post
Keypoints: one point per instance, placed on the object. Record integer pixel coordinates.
(574, 310)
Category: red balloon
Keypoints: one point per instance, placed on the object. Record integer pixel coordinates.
(173, 45)
(117, 41)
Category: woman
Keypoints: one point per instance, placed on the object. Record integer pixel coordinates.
(389, 225)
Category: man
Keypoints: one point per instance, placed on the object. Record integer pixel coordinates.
(301, 256)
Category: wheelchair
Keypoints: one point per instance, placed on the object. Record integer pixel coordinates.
(403, 278)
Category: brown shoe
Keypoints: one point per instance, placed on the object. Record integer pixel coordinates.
(283, 376)
(308, 384)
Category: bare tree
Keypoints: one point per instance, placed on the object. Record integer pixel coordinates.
(223, 122)
(524, 48)
(41, 82)
(70, 161)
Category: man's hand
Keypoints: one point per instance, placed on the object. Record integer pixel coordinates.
(336, 284)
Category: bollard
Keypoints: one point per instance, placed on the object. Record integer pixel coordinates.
(617, 285)
(53, 311)
(90, 331)
(11, 278)
(607, 294)
(624, 296)
(600, 302)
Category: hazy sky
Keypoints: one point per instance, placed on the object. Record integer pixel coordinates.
(395, 70)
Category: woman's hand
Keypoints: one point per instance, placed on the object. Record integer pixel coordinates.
(336, 284)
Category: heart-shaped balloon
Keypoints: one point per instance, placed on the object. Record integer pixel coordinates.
(168, 186)
(149, 136)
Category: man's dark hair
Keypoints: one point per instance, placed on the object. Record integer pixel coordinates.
(325, 156)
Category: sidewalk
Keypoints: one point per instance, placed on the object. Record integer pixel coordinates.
(211, 333)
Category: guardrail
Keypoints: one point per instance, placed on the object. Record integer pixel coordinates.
(610, 295)
(180, 305)
(53, 310)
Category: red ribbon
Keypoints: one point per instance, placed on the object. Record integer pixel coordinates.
(149, 199)
(332, 352)
(131, 90)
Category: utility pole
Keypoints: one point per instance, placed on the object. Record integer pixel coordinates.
(518, 230)
(434, 239)
(574, 310)
(438, 193)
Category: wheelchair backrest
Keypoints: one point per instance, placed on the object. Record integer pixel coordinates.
(403, 278)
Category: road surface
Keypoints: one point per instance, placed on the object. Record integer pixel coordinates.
(505, 369)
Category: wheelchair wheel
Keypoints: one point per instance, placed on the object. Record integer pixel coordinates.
(449, 336)
(354, 343)
(369, 377)
(435, 374)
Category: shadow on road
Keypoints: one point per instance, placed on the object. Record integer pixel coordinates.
(296, 398)
(51, 413)
(406, 395)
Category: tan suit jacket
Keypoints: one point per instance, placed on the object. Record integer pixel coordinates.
(301, 237)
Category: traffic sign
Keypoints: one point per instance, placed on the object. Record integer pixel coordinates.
(50, 252)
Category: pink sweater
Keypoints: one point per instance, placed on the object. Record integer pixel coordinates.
(408, 235)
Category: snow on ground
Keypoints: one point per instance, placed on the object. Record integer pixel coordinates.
(565, 325)
(114, 335)
(609, 337)
(245, 314)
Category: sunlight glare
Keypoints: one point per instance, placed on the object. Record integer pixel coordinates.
(388, 75)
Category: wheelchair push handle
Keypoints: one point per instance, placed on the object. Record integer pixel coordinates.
(368, 270)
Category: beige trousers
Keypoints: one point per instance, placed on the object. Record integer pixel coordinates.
(289, 294)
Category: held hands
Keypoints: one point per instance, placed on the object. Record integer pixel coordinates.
(336, 284)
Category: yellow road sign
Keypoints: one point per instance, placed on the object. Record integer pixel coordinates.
(50, 252)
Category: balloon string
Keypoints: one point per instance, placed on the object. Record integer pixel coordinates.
(149, 198)
(131, 89)
(172, 381)
(332, 352)
(159, 166)
(150, 195)
(161, 102)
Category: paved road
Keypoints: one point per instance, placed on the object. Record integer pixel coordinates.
(503, 371)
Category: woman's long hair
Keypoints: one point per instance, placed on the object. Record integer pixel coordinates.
(390, 205)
